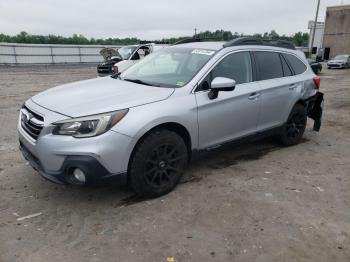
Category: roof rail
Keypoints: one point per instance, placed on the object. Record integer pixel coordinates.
(244, 41)
(188, 40)
(194, 39)
(285, 44)
(258, 41)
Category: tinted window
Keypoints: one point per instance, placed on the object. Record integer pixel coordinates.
(297, 66)
(269, 65)
(285, 67)
(236, 66)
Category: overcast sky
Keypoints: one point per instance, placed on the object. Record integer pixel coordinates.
(155, 19)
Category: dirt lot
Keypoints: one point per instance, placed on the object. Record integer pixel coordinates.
(253, 202)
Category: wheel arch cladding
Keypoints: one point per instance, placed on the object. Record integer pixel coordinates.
(301, 102)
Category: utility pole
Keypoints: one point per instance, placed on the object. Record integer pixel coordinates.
(195, 32)
(315, 26)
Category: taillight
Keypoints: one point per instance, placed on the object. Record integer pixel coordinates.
(317, 81)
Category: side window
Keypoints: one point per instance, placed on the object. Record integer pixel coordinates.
(135, 56)
(235, 66)
(285, 67)
(269, 65)
(297, 66)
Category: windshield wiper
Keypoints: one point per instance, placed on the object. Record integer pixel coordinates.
(138, 81)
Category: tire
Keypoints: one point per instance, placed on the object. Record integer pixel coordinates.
(293, 129)
(157, 163)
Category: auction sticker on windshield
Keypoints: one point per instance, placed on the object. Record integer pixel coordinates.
(203, 52)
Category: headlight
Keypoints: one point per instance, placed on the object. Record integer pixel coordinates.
(90, 125)
(115, 70)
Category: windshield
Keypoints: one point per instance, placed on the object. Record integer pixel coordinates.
(340, 57)
(126, 51)
(169, 67)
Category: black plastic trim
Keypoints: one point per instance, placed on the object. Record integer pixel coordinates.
(257, 41)
(314, 109)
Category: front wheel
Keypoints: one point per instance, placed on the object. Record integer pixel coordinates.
(158, 163)
(293, 129)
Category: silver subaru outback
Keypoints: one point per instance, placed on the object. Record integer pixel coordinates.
(141, 127)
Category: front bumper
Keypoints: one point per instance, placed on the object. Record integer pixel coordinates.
(102, 157)
(336, 65)
(95, 173)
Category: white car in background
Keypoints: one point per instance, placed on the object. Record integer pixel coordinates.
(123, 58)
(139, 53)
(340, 61)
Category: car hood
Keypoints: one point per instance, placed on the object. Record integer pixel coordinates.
(108, 52)
(99, 95)
(337, 61)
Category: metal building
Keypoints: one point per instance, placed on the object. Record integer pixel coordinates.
(336, 38)
(318, 40)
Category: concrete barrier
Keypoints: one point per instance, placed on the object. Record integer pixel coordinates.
(50, 54)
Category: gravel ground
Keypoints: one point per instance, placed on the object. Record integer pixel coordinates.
(252, 202)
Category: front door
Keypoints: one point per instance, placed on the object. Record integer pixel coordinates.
(232, 114)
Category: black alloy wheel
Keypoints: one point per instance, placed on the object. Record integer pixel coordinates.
(293, 130)
(295, 125)
(158, 163)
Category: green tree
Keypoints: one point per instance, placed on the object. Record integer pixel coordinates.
(299, 39)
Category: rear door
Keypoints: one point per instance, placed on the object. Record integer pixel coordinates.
(232, 114)
(277, 85)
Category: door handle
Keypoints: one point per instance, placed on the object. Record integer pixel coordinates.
(293, 86)
(254, 96)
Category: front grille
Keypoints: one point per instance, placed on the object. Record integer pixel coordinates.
(104, 69)
(335, 65)
(31, 122)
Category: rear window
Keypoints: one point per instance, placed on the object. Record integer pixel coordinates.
(297, 66)
(269, 65)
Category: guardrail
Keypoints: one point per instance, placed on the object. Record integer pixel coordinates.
(50, 54)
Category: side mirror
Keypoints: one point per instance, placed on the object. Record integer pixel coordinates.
(221, 84)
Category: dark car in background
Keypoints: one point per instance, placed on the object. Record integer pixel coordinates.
(316, 66)
(110, 56)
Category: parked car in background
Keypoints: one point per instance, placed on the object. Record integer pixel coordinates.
(141, 127)
(122, 58)
(316, 66)
(110, 56)
(340, 61)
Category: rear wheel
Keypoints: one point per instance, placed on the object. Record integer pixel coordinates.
(293, 130)
(158, 163)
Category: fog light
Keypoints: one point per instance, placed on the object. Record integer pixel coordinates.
(79, 175)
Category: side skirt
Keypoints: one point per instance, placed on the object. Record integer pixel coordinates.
(198, 153)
